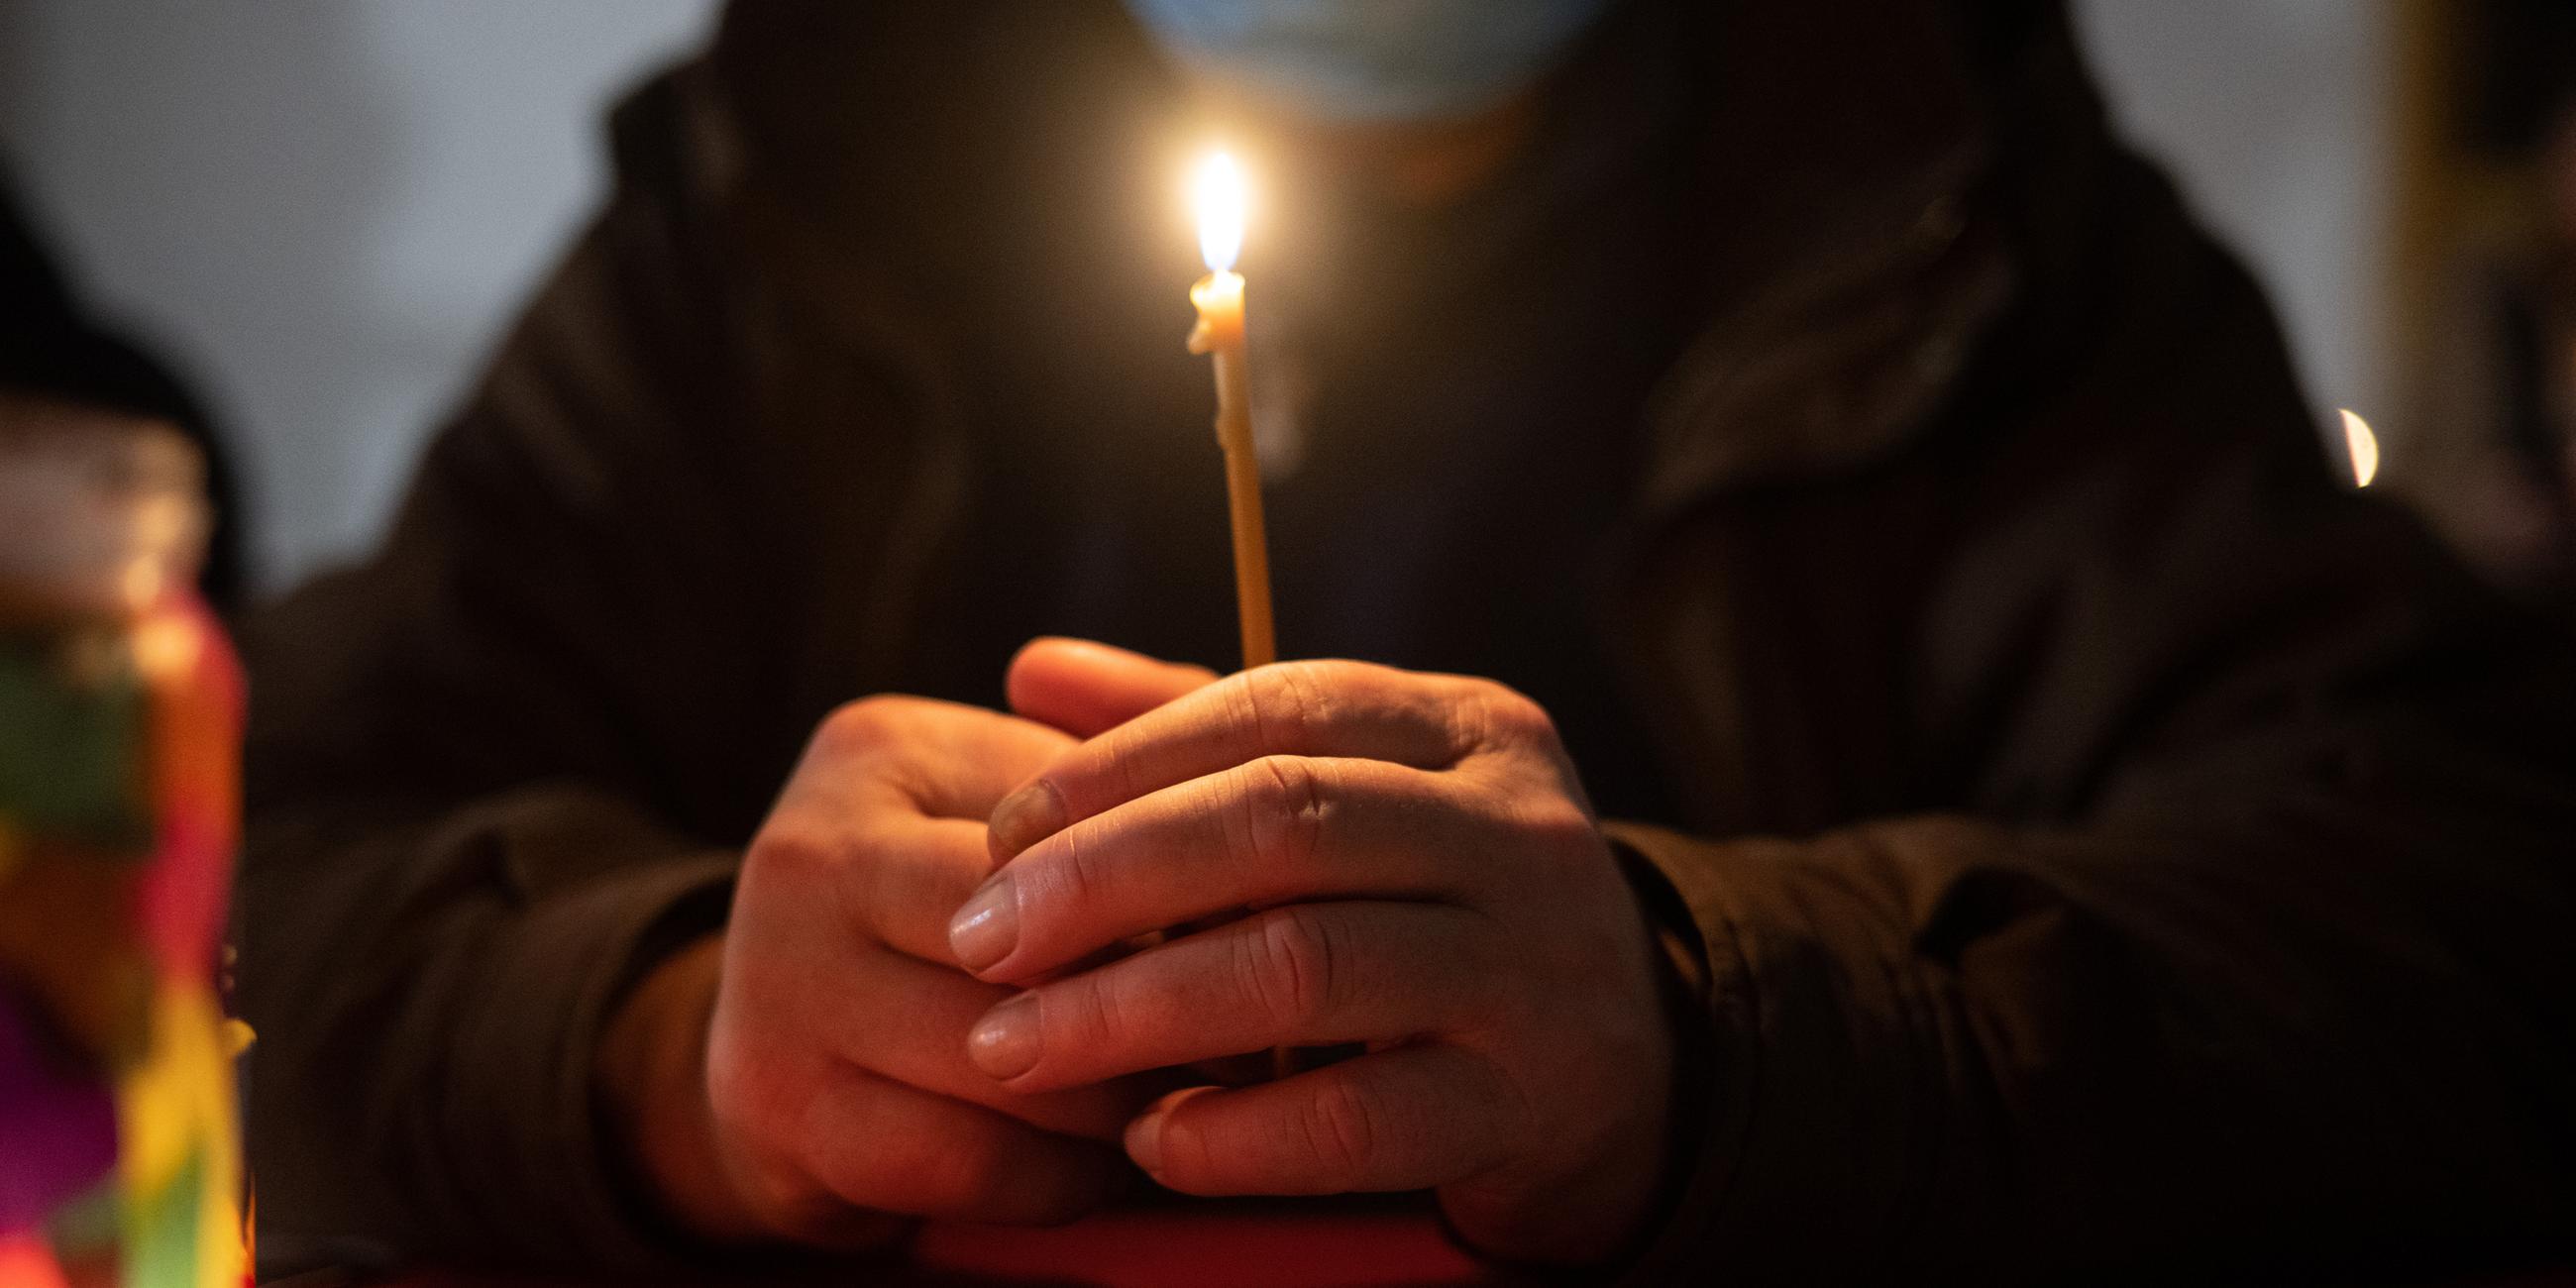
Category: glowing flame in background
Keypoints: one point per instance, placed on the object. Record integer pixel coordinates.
(1218, 193)
(2364, 447)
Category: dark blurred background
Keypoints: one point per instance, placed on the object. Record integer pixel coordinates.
(322, 211)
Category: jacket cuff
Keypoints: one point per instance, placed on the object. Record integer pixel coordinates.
(540, 1163)
(1810, 1112)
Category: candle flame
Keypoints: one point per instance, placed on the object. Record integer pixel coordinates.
(2364, 447)
(1218, 192)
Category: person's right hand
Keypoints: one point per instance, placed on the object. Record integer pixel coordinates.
(804, 1076)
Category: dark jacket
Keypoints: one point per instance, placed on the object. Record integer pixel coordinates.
(2096, 834)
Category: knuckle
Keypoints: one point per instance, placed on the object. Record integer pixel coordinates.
(861, 725)
(792, 875)
(1498, 714)
(1341, 1127)
(1129, 775)
(1071, 880)
(785, 848)
(751, 1105)
(1289, 968)
(1562, 827)
(1189, 1149)
(1088, 1013)
(1283, 705)
(1285, 802)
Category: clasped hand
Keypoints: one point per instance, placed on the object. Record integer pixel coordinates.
(1331, 852)
(1374, 856)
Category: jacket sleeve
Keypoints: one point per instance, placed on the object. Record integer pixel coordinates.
(499, 768)
(2232, 912)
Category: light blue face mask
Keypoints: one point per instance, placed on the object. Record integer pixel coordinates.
(1371, 60)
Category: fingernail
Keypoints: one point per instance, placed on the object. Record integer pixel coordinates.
(1026, 817)
(988, 927)
(1005, 1043)
(1145, 1141)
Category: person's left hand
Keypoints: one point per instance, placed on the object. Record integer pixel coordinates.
(1390, 858)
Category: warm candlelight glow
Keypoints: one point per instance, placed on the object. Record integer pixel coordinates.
(2364, 447)
(1218, 193)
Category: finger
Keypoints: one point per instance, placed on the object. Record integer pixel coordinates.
(878, 1144)
(1084, 688)
(1310, 974)
(1412, 1118)
(943, 759)
(909, 1021)
(886, 877)
(1290, 708)
(901, 884)
(1281, 828)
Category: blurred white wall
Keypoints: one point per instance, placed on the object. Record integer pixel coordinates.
(2277, 115)
(325, 209)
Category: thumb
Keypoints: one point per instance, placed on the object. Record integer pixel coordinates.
(1084, 688)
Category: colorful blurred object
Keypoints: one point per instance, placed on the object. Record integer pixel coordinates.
(120, 720)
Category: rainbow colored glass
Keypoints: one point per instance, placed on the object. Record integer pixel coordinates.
(120, 723)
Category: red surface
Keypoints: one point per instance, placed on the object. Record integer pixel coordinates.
(1214, 1246)
(1167, 1248)
(1272, 1245)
